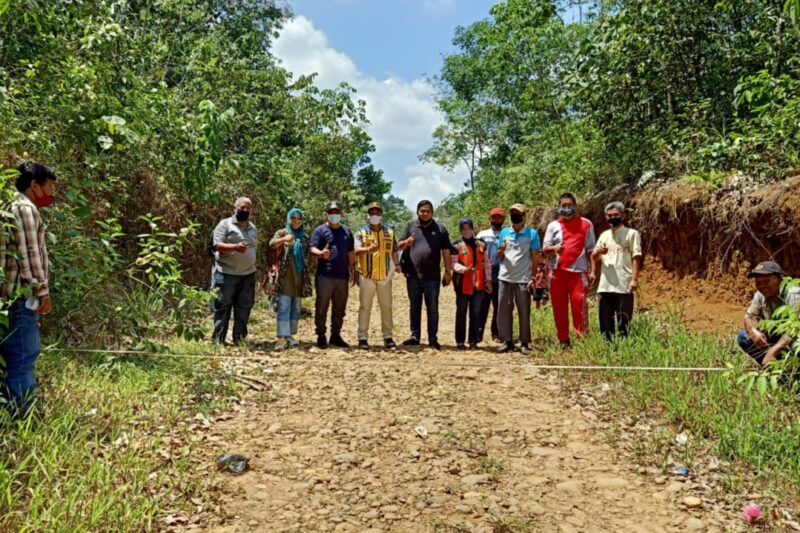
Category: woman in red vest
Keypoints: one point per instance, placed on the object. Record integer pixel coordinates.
(472, 277)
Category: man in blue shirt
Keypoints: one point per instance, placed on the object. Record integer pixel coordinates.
(518, 251)
(333, 245)
(491, 236)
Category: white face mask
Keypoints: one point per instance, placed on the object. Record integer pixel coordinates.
(375, 219)
(334, 218)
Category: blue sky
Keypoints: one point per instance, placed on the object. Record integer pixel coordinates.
(387, 49)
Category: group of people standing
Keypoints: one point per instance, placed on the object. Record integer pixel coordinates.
(495, 271)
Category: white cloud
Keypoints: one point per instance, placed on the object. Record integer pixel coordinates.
(402, 114)
(431, 182)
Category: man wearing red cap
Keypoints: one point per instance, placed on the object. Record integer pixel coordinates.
(490, 236)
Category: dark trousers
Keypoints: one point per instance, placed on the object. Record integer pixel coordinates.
(615, 310)
(744, 342)
(468, 304)
(19, 349)
(331, 292)
(487, 302)
(419, 290)
(235, 294)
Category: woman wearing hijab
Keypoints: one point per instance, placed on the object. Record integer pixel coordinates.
(472, 277)
(293, 281)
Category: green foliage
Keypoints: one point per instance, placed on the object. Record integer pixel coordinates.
(536, 103)
(169, 107)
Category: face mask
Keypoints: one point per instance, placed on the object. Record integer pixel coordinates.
(44, 200)
(375, 219)
(566, 211)
(242, 215)
(497, 225)
(615, 222)
(516, 218)
(334, 219)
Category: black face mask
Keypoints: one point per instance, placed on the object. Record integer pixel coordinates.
(517, 218)
(242, 215)
(497, 225)
(615, 222)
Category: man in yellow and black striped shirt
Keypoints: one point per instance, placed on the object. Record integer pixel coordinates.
(376, 249)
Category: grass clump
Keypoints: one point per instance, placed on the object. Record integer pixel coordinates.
(109, 447)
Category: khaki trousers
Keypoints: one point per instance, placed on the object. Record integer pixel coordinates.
(366, 294)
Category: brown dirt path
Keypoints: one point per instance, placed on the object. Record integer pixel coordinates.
(333, 447)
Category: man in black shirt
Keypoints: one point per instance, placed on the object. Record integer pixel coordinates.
(425, 244)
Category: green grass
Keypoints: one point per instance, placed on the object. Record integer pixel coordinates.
(759, 432)
(106, 449)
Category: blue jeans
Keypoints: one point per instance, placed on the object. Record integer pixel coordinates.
(19, 349)
(427, 290)
(744, 342)
(288, 315)
(236, 294)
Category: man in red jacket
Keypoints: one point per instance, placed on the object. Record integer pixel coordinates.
(569, 242)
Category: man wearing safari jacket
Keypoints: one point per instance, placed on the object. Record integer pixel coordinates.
(376, 250)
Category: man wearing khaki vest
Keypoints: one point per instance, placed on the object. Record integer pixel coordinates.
(376, 249)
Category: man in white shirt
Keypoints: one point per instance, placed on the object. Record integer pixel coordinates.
(619, 252)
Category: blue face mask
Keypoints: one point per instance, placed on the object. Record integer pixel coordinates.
(334, 218)
(242, 215)
(566, 211)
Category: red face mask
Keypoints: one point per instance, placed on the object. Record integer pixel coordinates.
(44, 200)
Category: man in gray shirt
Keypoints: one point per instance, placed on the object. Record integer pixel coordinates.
(765, 346)
(234, 272)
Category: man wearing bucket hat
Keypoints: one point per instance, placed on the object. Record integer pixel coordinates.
(519, 258)
(763, 346)
(376, 250)
(491, 237)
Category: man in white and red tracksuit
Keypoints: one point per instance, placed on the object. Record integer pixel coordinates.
(569, 241)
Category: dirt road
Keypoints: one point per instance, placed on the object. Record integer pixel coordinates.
(335, 446)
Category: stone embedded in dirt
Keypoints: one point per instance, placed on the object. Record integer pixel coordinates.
(569, 486)
(692, 502)
(660, 480)
(536, 509)
(464, 509)
(611, 483)
(477, 479)
(674, 487)
(695, 524)
(346, 458)
(566, 528)
(274, 428)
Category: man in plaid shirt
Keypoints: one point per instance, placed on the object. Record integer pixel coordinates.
(24, 289)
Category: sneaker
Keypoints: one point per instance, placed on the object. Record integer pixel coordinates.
(461, 346)
(322, 342)
(565, 345)
(473, 346)
(435, 345)
(363, 344)
(389, 343)
(525, 349)
(292, 342)
(506, 347)
(338, 341)
(412, 341)
(281, 346)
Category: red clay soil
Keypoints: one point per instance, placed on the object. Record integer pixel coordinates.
(706, 306)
